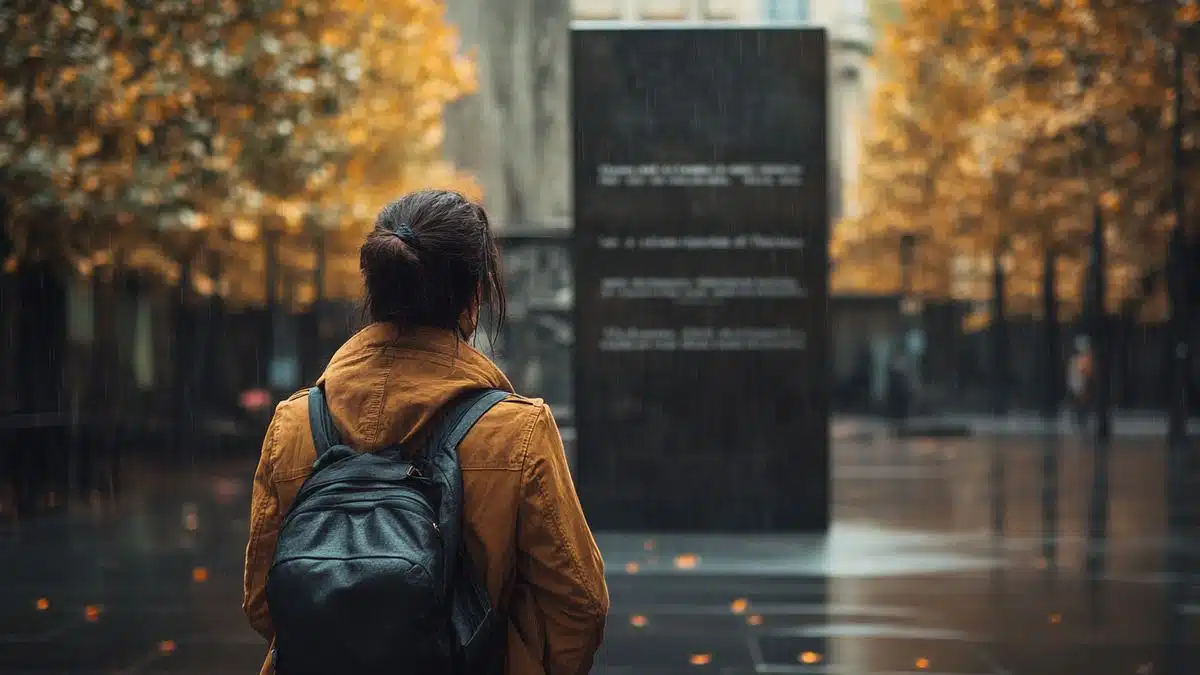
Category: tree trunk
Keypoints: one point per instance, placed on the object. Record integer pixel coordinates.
(187, 358)
(1099, 328)
(1052, 393)
(213, 386)
(312, 345)
(41, 337)
(266, 345)
(1179, 284)
(8, 320)
(1000, 346)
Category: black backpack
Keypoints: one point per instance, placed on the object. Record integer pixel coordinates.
(370, 575)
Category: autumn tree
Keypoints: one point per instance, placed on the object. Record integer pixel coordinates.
(1090, 80)
(412, 69)
(1069, 117)
(920, 115)
(127, 125)
(407, 66)
(146, 132)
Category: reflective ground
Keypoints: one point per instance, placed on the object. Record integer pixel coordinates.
(951, 556)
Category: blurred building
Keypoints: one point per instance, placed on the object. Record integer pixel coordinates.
(514, 135)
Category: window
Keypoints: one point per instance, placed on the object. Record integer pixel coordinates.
(720, 9)
(663, 9)
(787, 10)
(854, 9)
(596, 9)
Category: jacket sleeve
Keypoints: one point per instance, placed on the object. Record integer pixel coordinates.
(557, 555)
(264, 529)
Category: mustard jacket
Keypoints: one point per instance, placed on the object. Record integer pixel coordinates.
(523, 523)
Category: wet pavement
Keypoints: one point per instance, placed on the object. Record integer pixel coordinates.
(951, 556)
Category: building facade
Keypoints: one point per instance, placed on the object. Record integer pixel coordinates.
(513, 133)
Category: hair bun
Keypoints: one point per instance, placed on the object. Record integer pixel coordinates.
(387, 249)
(430, 261)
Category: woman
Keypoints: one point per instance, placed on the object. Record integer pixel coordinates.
(430, 265)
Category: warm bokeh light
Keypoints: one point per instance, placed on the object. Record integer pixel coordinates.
(200, 575)
(738, 606)
(42, 604)
(637, 621)
(91, 613)
(1055, 618)
(754, 620)
(922, 663)
(809, 658)
(686, 561)
(632, 567)
(166, 647)
(700, 659)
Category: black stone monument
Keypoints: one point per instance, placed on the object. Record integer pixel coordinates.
(701, 234)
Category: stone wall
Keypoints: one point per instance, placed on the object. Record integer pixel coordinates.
(513, 133)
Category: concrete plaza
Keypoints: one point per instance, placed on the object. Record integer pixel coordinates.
(966, 556)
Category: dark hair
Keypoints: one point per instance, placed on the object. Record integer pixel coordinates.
(430, 258)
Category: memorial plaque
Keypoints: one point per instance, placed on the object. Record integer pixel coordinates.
(701, 233)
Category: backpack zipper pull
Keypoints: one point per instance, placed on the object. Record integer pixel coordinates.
(413, 471)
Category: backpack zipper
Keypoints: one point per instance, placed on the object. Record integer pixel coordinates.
(410, 472)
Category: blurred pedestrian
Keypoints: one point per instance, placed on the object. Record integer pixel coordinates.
(1080, 382)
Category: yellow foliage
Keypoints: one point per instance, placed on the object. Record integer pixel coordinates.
(984, 134)
(394, 131)
(157, 134)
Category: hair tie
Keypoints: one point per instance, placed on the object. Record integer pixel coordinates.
(405, 234)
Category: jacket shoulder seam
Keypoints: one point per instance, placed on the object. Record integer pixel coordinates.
(554, 516)
(527, 434)
(523, 400)
(285, 476)
(375, 406)
(273, 436)
(275, 476)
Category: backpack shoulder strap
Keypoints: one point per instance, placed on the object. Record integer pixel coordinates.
(324, 433)
(441, 453)
(464, 416)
